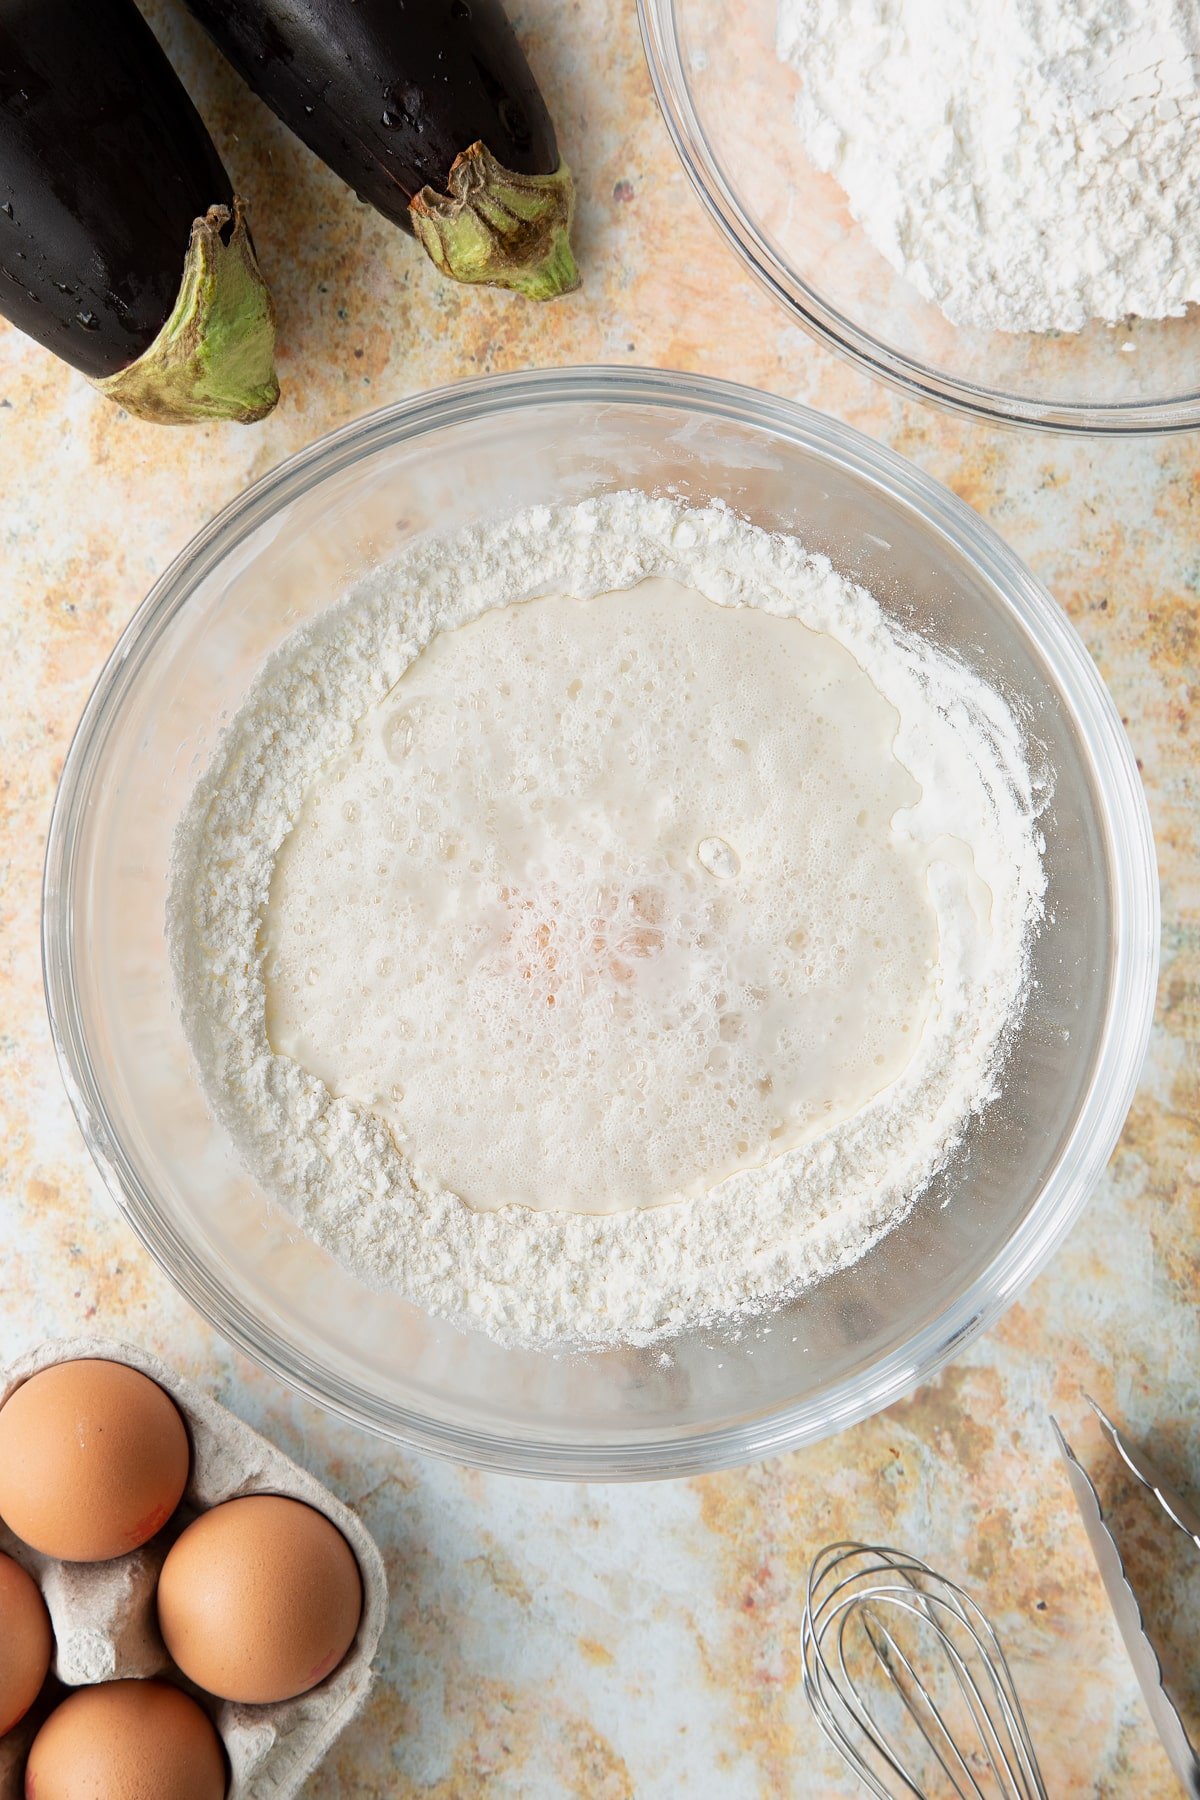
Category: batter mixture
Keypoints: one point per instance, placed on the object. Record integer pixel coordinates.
(605, 921)
(605, 902)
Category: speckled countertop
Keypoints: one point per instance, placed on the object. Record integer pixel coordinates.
(557, 1640)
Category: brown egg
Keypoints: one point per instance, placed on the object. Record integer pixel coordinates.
(126, 1740)
(93, 1460)
(25, 1642)
(259, 1599)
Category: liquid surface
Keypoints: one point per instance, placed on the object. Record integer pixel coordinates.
(605, 902)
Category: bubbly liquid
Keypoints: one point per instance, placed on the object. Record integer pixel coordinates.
(605, 902)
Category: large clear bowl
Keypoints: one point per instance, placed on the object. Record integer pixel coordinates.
(729, 105)
(281, 553)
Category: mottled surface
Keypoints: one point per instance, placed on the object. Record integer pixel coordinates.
(609, 1642)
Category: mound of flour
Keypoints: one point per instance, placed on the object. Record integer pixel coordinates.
(557, 1278)
(1028, 165)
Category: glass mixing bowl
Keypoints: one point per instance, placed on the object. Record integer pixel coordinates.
(281, 553)
(729, 105)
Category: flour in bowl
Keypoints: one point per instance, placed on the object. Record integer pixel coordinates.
(605, 921)
(1029, 165)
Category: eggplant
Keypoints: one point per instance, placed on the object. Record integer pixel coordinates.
(122, 246)
(429, 110)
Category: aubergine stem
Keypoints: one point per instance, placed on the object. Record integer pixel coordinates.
(500, 228)
(214, 357)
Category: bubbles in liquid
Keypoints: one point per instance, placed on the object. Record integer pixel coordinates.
(562, 937)
(398, 737)
(718, 857)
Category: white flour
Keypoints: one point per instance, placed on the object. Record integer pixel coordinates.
(1028, 164)
(544, 1278)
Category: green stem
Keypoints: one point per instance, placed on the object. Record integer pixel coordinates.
(500, 228)
(214, 357)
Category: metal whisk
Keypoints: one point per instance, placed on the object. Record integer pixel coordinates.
(907, 1678)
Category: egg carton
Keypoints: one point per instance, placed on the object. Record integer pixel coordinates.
(105, 1616)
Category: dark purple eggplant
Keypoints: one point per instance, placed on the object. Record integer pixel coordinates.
(122, 247)
(429, 110)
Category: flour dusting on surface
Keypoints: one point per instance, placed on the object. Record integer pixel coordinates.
(557, 1278)
(1029, 165)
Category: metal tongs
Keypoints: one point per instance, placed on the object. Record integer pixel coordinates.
(1122, 1597)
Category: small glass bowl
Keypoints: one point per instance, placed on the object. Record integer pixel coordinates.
(729, 104)
(724, 1394)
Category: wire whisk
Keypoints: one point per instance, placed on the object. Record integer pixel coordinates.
(908, 1679)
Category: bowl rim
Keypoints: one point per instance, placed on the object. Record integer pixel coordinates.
(1133, 966)
(902, 373)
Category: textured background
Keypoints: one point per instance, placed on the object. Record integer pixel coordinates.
(609, 1642)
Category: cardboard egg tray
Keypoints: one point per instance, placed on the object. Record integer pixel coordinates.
(105, 1618)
